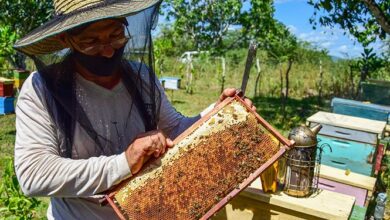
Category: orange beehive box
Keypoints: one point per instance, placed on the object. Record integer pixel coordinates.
(211, 162)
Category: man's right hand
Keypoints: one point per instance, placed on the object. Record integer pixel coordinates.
(145, 145)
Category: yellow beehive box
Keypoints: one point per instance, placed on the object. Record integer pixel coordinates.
(18, 83)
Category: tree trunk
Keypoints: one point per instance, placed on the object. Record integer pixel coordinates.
(257, 84)
(281, 89)
(17, 61)
(363, 77)
(281, 81)
(21, 60)
(352, 89)
(290, 62)
(379, 15)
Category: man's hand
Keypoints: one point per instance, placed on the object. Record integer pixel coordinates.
(230, 92)
(144, 146)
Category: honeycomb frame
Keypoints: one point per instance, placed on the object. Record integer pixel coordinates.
(157, 172)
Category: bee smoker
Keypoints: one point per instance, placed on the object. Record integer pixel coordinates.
(302, 163)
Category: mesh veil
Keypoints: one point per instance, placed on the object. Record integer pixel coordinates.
(59, 81)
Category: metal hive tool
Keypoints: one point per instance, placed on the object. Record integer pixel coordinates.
(211, 162)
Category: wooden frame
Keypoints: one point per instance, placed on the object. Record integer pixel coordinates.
(286, 144)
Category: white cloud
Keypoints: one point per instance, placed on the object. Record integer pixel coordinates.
(292, 29)
(333, 40)
(336, 41)
(321, 39)
(342, 49)
(326, 44)
(346, 50)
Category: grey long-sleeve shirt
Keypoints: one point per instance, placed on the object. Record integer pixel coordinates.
(74, 184)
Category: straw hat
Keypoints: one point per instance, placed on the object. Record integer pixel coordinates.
(73, 13)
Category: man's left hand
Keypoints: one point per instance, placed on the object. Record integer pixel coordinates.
(230, 92)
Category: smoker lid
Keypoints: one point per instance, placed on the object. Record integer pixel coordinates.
(304, 136)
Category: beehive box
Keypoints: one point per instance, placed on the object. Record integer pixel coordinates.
(348, 135)
(19, 83)
(7, 105)
(21, 74)
(359, 186)
(170, 83)
(211, 162)
(6, 87)
(360, 109)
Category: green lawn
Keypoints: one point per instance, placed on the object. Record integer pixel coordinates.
(7, 134)
(7, 140)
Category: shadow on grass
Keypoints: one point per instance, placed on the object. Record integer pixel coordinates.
(177, 102)
(297, 110)
(13, 132)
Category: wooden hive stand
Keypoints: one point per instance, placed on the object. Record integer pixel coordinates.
(253, 203)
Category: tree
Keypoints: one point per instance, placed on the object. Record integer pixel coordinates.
(368, 63)
(258, 22)
(163, 46)
(7, 38)
(386, 56)
(282, 47)
(365, 19)
(17, 19)
(208, 22)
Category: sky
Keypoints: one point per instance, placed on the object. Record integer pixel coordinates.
(295, 15)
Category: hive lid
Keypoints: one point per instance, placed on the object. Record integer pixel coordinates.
(345, 121)
(6, 81)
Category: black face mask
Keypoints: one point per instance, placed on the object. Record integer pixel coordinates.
(99, 65)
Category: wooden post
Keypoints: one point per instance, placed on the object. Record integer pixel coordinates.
(290, 62)
(258, 68)
(189, 75)
(223, 73)
(320, 84)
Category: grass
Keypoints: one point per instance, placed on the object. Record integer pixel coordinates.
(7, 138)
(7, 133)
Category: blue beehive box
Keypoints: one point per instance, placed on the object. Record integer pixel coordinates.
(360, 109)
(170, 82)
(348, 155)
(7, 105)
(353, 141)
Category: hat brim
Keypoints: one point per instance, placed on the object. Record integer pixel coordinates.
(42, 40)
